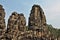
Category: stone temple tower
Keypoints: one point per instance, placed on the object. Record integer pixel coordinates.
(37, 18)
(2, 22)
(11, 21)
(22, 22)
(37, 21)
(16, 24)
(12, 26)
(16, 20)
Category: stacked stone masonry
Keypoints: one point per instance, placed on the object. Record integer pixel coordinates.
(16, 27)
(16, 24)
(2, 23)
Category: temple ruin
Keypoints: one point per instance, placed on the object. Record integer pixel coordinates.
(16, 27)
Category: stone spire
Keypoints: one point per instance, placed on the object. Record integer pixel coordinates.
(12, 20)
(37, 21)
(2, 23)
(16, 23)
(12, 27)
(22, 22)
(37, 17)
(18, 19)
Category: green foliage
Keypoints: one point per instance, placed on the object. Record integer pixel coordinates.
(54, 31)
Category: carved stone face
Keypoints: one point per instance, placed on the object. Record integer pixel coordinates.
(36, 12)
(14, 17)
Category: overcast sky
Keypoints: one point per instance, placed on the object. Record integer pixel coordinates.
(50, 7)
